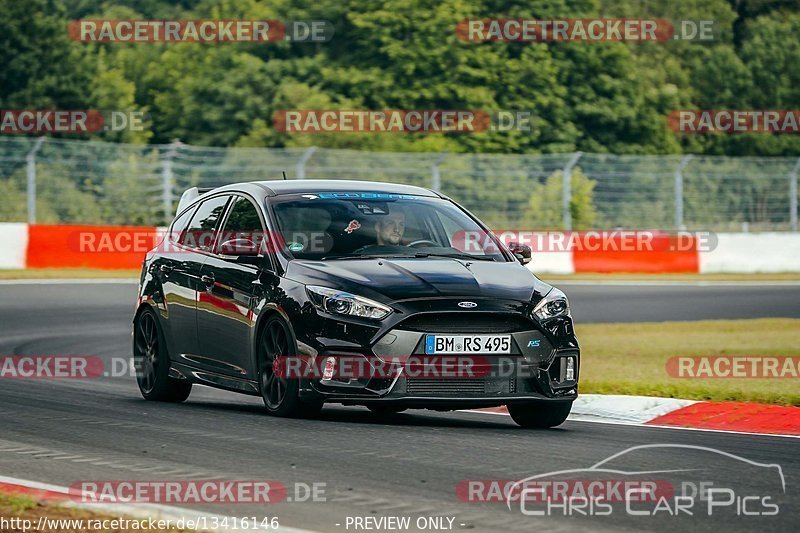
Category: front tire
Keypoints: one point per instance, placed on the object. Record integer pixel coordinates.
(152, 364)
(281, 393)
(540, 415)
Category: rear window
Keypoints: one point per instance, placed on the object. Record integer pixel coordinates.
(202, 229)
(243, 222)
(179, 225)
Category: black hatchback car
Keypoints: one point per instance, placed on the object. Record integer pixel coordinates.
(359, 293)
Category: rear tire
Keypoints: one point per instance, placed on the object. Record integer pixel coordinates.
(151, 362)
(540, 415)
(281, 394)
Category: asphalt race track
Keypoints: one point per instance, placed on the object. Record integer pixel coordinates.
(657, 302)
(63, 431)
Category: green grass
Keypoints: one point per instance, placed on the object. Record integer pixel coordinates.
(16, 503)
(631, 358)
(27, 508)
(76, 273)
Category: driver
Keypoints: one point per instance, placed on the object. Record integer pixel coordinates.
(390, 229)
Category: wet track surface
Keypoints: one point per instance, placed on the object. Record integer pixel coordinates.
(63, 431)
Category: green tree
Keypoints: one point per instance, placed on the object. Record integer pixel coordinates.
(545, 204)
(41, 67)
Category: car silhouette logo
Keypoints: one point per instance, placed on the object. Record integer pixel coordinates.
(467, 305)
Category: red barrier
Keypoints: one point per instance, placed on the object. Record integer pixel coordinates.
(105, 247)
(124, 247)
(666, 253)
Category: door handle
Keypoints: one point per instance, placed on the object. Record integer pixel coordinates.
(207, 280)
(165, 269)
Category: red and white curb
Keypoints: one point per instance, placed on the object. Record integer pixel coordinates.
(735, 417)
(143, 511)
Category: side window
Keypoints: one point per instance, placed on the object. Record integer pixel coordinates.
(476, 242)
(201, 231)
(451, 227)
(243, 223)
(179, 225)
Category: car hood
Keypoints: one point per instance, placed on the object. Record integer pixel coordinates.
(400, 279)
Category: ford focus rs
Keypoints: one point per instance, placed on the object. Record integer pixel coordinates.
(358, 293)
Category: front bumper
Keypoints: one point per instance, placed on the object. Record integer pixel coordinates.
(534, 370)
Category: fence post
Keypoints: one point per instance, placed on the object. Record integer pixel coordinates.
(566, 192)
(793, 196)
(436, 176)
(168, 181)
(31, 185)
(679, 191)
(301, 165)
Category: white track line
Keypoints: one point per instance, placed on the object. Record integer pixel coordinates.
(140, 510)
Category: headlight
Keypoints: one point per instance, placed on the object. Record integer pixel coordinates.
(344, 303)
(552, 305)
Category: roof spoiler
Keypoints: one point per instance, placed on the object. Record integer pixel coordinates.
(189, 196)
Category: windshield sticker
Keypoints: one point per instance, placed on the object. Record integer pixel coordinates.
(367, 195)
(352, 226)
(295, 247)
(358, 196)
(373, 208)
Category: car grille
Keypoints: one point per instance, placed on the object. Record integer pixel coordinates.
(446, 387)
(467, 323)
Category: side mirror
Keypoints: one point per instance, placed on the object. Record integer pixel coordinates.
(521, 251)
(238, 248)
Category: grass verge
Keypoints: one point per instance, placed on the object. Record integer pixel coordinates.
(631, 358)
(23, 508)
(71, 273)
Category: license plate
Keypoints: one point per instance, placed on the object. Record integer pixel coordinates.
(466, 344)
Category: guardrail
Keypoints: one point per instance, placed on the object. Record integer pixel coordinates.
(49, 180)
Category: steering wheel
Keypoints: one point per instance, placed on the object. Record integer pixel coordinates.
(424, 241)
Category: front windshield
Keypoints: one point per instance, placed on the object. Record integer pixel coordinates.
(364, 224)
